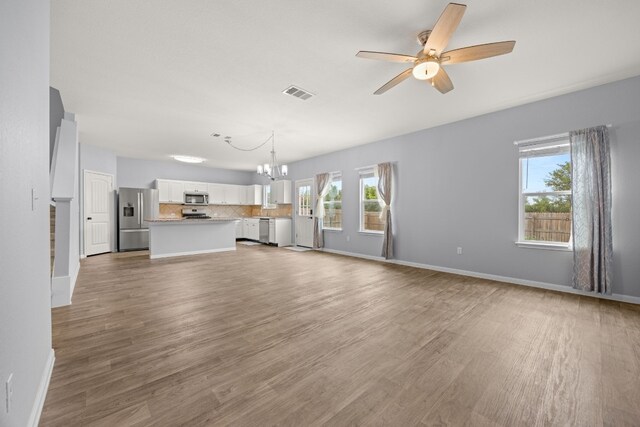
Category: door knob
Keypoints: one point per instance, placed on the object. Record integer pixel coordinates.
(89, 218)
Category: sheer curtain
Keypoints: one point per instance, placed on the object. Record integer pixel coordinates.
(385, 171)
(322, 188)
(591, 192)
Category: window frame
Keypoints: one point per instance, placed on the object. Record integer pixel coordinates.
(266, 197)
(550, 145)
(332, 176)
(361, 201)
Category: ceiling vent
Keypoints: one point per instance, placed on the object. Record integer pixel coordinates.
(297, 92)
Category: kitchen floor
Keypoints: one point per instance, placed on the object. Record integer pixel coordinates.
(266, 336)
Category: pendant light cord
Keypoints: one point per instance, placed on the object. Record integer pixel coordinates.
(228, 141)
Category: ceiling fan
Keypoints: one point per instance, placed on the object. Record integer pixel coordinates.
(427, 63)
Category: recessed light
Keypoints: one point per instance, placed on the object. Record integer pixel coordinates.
(188, 159)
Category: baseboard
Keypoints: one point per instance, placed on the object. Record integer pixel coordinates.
(504, 279)
(206, 251)
(41, 394)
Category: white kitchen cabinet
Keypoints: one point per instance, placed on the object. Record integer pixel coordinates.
(280, 231)
(253, 194)
(234, 194)
(240, 229)
(170, 191)
(251, 228)
(281, 192)
(196, 187)
(216, 194)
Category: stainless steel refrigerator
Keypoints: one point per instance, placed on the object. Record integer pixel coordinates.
(135, 206)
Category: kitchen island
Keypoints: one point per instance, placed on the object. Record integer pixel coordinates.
(178, 237)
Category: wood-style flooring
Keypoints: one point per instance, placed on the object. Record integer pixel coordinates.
(265, 336)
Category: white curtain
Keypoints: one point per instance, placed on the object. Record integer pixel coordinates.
(322, 188)
(591, 207)
(385, 172)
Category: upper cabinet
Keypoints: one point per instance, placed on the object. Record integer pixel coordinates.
(281, 192)
(195, 187)
(171, 191)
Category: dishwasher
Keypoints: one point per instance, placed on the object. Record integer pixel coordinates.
(264, 230)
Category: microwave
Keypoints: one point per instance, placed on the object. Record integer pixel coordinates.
(196, 199)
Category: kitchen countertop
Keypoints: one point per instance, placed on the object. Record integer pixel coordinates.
(192, 220)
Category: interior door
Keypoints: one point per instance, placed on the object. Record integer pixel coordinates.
(98, 189)
(304, 213)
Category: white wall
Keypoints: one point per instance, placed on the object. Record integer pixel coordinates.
(457, 185)
(25, 298)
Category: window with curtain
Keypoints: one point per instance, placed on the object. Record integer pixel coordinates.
(370, 207)
(332, 219)
(545, 191)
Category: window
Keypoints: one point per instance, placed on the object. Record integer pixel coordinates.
(332, 219)
(266, 197)
(545, 192)
(304, 199)
(370, 206)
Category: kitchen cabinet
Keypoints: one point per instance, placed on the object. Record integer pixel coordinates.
(196, 187)
(170, 191)
(251, 228)
(234, 194)
(281, 192)
(280, 231)
(253, 195)
(240, 229)
(216, 194)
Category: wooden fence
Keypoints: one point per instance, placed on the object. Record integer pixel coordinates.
(547, 226)
(372, 220)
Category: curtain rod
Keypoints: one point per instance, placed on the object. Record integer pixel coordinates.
(546, 138)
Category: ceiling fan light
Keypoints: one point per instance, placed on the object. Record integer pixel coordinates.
(427, 69)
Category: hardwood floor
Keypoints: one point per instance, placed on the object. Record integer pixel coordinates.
(269, 336)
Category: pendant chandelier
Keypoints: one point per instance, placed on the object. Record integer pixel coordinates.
(272, 170)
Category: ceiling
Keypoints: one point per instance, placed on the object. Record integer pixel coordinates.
(148, 79)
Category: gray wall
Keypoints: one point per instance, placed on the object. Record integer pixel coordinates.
(140, 173)
(25, 296)
(56, 113)
(457, 185)
(98, 159)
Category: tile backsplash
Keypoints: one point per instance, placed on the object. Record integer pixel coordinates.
(168, 210)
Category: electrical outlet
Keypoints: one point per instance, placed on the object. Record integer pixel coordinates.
(9, 393)
(459, 251)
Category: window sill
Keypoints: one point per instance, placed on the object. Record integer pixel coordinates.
(545, 245)
(339, 230)
(372, 233)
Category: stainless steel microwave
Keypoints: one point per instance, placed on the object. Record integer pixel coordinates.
(196, 199)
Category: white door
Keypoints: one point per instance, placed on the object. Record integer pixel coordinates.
(98, 191)
(304, 213)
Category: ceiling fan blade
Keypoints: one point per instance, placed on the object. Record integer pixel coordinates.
(383, 56)
(444, 28)
(394, 81)
(473, 53)
(441, 81)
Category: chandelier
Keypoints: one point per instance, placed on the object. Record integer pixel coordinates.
(272, 170)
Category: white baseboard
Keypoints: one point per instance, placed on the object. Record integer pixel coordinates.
(41, 394)
(206, 251)
(511, 280)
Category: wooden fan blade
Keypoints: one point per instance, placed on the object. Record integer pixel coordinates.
(441, 81)
(473, 53)
(394, 81)
(383, 56)
(444, 28)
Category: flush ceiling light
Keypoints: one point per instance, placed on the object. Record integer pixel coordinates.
(426, 69)
(188, 159)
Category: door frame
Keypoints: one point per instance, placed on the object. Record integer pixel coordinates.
(112, 224)
(311, 181)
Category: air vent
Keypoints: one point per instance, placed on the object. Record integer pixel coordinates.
(297, 92)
